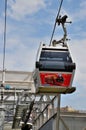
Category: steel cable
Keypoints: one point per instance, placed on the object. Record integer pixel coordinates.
(4, 47)
(55, 21)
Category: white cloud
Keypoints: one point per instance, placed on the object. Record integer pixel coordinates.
(1, 26)
(78, 51)
(80, 13)
(83, 4)
(21, 8)
(20, 55)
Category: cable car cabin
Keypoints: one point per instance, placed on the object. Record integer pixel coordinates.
(54, 71)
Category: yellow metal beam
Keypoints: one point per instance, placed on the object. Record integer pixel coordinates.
(61, 90)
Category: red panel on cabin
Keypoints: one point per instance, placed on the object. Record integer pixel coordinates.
(55, 79)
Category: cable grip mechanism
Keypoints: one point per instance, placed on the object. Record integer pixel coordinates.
(62, 21)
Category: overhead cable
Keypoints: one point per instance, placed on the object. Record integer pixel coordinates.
(56, 22)
(4, 47)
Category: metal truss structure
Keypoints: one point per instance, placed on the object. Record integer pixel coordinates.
(16, 84)
(18, 94)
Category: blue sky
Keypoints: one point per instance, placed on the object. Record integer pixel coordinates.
(30, 22)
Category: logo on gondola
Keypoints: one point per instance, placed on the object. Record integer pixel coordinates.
(55, 79)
